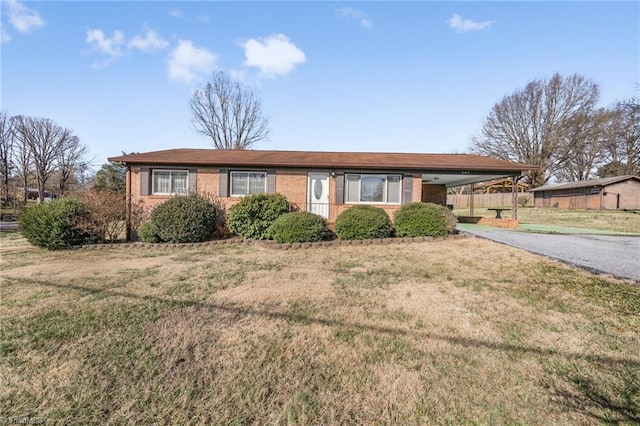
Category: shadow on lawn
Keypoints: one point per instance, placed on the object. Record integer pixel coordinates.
(591, 398)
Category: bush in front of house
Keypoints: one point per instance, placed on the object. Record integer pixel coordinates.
(424, 219)
(299, 227)
(185, 219)
(54, 225)
(147, 234)
(255, 213)
(363, 222)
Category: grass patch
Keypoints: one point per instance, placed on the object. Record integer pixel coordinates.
(605, 220)
(420, 333)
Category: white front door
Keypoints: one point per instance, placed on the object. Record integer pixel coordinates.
(318, 194)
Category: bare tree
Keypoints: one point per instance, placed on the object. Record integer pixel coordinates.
(45, 139)
(622, 144)
(6, 153)
(22, 162)
(584, 142)
(70, 159)
(229, 113)
(531, 124)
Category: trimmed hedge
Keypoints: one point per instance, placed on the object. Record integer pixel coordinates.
(424, 219)
(184, 219)
(54, 225)
(255, 213)
(299, 227)
(363, 222)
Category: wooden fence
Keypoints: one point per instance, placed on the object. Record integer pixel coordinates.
(485, 200)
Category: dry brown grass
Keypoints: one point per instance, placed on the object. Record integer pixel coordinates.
(449, 331)
(605, 220)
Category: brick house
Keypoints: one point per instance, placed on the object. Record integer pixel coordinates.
(619, 192)
(324, 183)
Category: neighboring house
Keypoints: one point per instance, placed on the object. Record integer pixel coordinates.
(620, 192)
(324, 183)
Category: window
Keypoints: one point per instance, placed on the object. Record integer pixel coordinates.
(245, 183)
(168, 182)
(376, 189)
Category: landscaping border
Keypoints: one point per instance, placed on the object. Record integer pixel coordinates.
(269, 243)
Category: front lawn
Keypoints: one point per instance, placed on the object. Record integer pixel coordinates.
(449, 331)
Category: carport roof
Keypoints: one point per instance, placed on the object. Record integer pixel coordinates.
(317, 159)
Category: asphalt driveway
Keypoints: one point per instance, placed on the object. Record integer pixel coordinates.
(615, 255)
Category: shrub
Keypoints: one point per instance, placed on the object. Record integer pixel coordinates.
(105, 217)
(254, 214)
(363, 222)
(424, 219)
(147, 234)
(185, 219)
(53, 225)
(299, 227)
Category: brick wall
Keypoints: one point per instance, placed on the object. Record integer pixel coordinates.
(583, 198)
(291, 184)
(434, 194)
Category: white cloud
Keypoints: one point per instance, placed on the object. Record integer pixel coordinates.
(177, 13)
(21, 17)
(354, 14)
(150, 42)
(111, 46)
(187, 63)
(465, 25)
(5, 37)
(274, 55)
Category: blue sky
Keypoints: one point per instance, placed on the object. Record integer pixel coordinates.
(332, 76)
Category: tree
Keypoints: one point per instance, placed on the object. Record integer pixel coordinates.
(584, 141)
(533, 124)
(71, 160)
(22, 162)
(622, 145)
(46, 142)
(111, 177)
(229, 113)
(6, 152)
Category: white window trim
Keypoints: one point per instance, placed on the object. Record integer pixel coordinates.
(153, 181)
(247, 172)
(385, 192)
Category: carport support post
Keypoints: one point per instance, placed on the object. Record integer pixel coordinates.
(514, 198)
(471, 202)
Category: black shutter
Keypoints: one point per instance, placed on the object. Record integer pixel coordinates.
(407, 181)
(223, 187)
(271, 182)
(144, 181)
(192, 180)
(339, 189)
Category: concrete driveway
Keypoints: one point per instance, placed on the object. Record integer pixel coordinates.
(615, 255)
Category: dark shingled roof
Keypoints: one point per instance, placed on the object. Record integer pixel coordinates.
(584, 183)
(361, 160)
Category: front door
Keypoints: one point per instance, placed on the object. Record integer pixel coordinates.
(318, 194)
